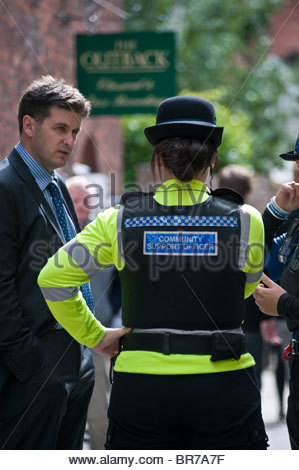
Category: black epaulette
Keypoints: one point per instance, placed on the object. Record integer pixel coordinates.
(228, 194)
(134, 195)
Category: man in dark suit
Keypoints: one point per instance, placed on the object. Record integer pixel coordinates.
(46, 377)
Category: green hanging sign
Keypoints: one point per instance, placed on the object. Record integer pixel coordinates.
(126, 73)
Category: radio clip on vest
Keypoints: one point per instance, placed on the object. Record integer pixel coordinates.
(289, 242)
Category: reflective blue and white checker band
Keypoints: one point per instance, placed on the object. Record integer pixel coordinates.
(184, 220)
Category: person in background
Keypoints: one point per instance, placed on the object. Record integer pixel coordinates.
(46, 378)
(260, 330)
(282, 238)
(183, 378)
(235, 177)
(79, 189)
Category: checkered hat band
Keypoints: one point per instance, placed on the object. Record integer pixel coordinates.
(184, 220)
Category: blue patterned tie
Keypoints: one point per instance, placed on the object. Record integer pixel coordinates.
(61, 216)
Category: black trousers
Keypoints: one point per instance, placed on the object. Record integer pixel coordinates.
(204, 411)
(254, 344)
(293, 403)
(49, 410)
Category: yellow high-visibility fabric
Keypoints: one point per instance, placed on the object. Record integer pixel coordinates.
(100, 240)
(255, 255)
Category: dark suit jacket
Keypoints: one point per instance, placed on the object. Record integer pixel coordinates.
(29, 235)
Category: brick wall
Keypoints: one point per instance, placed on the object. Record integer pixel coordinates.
(34, 41)
(285, 29)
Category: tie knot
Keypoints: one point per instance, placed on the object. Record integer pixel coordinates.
(53, 188)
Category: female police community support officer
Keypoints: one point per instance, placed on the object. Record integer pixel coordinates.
(187, 258)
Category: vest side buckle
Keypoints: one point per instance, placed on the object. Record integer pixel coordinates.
(295, 347)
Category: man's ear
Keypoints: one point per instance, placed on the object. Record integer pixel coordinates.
(29, 125)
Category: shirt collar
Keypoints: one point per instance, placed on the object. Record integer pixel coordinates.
(175, 192)
(39, 173)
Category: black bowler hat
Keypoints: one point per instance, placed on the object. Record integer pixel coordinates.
(293, 155)
(185, 116)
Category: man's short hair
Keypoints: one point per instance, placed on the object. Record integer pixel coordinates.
(47, 91)
(235, 177)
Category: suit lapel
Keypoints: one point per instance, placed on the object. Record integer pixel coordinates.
(25, 174)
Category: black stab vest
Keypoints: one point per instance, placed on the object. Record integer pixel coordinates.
(188, 292)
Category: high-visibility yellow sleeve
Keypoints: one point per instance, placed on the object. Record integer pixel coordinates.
(75, 264)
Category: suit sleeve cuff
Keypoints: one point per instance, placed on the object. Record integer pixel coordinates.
(288, 306)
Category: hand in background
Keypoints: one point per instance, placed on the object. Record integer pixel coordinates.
(287, 196)
(270, 332)
(267, 297)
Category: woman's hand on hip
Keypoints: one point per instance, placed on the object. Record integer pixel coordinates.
(109, 344)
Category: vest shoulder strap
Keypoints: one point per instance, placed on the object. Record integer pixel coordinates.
(228, 194)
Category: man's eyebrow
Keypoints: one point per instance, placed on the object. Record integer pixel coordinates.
(60, 124)
(64, 124)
